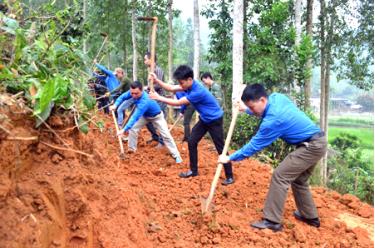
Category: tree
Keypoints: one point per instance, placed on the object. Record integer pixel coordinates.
(170, 50)
(134, 40)
(309, 33)
(197, 41)
(238, 18)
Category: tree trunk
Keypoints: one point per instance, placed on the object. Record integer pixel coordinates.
(322, 78)
(309, 26)
(298, 27)
(134, 40)
(84, 21)
(238, 18)
(197, 41)
(170, 51)
(125, 45)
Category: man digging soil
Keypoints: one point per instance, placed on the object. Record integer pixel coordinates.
(146, 111)
(282, 119)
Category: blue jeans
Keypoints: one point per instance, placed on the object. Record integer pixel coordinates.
(121, 109)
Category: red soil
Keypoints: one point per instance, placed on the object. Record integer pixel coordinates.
(55, 198)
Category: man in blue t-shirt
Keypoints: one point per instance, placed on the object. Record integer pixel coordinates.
(282, 119)
(146, 110)
(210, 119)
(112, 79)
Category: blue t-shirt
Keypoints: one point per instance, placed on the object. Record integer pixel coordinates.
(204, 102)
(281, 119)
(144, 107)
(110, 79)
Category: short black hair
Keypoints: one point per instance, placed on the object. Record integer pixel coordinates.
(206, 75)
(183, 72)
(253, 92)
(136, 84)
(148, 54)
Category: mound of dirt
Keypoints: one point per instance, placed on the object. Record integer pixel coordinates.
(75, 191)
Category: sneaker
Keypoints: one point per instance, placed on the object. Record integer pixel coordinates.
(188, 174)
(227, 181)
(178, 160)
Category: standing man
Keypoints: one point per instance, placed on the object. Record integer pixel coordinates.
(210, 119)
(160, 74)
(112, 79)
(146, 111)
(213, 87)
(282, 119)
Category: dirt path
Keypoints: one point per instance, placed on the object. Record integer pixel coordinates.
(53, 198)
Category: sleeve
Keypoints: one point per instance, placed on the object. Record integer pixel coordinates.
(105, 70)
(268, 132)
(138, 113)
(195, 97)
(123, 97)
(101, 77)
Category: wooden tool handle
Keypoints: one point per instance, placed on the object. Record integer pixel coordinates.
(153, 45)
(220, 165)
(175, 123)
(117, 129)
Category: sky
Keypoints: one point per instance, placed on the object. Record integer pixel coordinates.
(187, 7)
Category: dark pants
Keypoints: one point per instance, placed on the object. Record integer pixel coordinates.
(151, 127)
(216, 131)
(188, 114)
(103, 102)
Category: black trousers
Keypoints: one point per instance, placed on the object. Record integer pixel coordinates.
(216, 131)
(151, 127)
(188, 114)
(103, 102)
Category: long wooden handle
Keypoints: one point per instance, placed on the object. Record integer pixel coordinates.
(153, 45)
(175, 123)
(117, 129)
(220, 165)
(97, 55)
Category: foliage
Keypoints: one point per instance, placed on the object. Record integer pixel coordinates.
(348, 173)
(247, 126)
(46, 58)
(367, 102)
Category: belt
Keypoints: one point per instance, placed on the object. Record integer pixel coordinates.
(313, 137)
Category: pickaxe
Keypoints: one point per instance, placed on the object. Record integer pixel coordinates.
(154, 21)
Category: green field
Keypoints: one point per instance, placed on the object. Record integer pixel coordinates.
(365, 135)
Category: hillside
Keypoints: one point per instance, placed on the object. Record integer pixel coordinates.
(51, 197)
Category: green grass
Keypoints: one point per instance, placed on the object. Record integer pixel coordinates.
(365, 135)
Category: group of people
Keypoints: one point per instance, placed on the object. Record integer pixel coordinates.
(280, 119)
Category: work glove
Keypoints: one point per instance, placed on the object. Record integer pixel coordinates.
(223, 159)
(112, 107)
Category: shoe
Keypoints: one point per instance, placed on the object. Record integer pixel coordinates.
(263, 224)
(227, 181)
(159, 145)
(178, 160)
(187, 174)
(312, 222)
